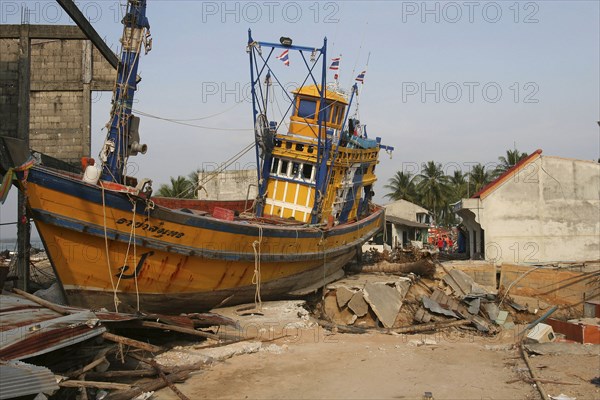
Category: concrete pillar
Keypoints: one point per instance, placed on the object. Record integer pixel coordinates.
(23, 225)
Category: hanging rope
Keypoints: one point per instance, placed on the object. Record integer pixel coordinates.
(112, 282)
(256, 278)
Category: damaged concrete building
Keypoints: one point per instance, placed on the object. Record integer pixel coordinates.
(544, 209)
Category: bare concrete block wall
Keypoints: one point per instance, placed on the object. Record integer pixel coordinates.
(56, 124)
(9, 86)
(64, 70)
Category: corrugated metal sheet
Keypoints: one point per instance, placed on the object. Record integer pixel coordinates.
(21, 379)
(28, 329)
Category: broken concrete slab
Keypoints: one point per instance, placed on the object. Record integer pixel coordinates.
(358, 305)
(463, 285)
(385, 301)
(340, 316)
(492, 310)
(474, 306)
(435, 307)
(181, 356)
(459, 282)
(343, 296)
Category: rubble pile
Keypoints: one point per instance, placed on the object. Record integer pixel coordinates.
(393, 296)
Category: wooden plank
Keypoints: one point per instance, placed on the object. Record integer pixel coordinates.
(94, 384)
(131, 342)
(42, 302)
(154, 385)
(174, 328)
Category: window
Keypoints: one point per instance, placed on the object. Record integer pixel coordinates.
(328, 111)
(311, 149)
(299, 147)
(307, 108)
(307, 171)
(295, 170)
(284, 167)
(288, 145)
(275, 165)
(340, 116)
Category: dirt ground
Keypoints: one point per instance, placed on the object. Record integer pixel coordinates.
(453, 365)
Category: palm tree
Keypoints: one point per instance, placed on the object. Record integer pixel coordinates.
(433, 188)
(180, 187)
(458, 185)
(402, 186)
(505, 163)
(478, 178)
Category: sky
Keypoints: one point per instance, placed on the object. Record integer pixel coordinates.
(455, 82)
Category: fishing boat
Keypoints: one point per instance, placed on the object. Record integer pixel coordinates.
(112, 244)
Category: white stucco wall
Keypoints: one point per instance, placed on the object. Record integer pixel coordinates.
(549, 211)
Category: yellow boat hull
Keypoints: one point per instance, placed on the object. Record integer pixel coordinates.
(106, 245)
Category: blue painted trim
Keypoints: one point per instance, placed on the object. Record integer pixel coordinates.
(156, 244)
(120, 201)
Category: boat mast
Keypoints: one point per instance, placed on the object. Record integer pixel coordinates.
(324, 144)
(256, 70)
(121, 140)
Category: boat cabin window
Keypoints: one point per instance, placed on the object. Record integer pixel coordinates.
(275, 165)
(284, 167)
(335, 115)
(307, 171)
(307, 108)
(340, 115)
(295, 170)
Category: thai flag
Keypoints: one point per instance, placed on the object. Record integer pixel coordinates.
(285, 58)
(335, 63)
(361, 77)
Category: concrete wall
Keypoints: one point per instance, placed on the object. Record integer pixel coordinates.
(228, 185)
(62, 75)
(404, 209)
(549, 211)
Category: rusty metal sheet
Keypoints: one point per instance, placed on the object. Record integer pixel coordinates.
(40, 337)
(20, 379)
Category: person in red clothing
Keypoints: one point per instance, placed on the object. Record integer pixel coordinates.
(450, 244)
(440, 243)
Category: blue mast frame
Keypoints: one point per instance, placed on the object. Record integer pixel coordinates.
(324, 146)
(134, 23)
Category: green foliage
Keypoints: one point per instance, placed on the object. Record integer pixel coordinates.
(180, 187)
(505, 163)
(402, 186)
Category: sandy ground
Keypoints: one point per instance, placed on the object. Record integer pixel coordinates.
(312, 362)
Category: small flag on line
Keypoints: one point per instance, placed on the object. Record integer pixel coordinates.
(335, 63)
(361, 77)
(284, 57)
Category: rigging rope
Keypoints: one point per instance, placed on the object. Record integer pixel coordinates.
(257, 278)
(112, 282)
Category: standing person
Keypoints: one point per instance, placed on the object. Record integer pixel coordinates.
(440, 244)
(450, 244)
(445, 243)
